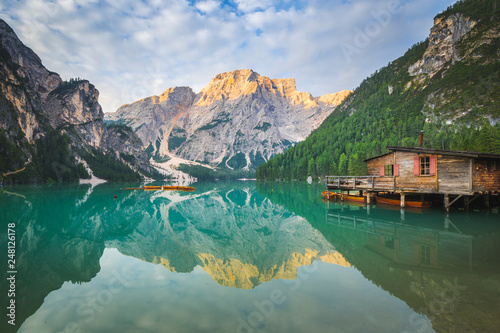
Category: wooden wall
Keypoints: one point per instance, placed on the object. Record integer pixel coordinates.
(374, 170)
(485, 178)
(407, 179)
(453, 174)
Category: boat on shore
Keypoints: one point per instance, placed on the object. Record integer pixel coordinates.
(397, 202)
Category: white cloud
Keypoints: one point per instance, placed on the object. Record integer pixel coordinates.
(130, 50)
(251, 5)
(207, 6)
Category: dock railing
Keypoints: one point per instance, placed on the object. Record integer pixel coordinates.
(350, 182)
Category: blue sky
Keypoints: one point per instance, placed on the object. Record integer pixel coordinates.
(134, 49)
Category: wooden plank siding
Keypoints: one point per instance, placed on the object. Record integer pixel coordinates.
(453, 174)
(486, 175)
(406, 181)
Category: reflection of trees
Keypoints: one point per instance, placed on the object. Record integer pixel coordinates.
(444, 271)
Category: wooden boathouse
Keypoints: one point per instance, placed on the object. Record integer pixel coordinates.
(409, 171)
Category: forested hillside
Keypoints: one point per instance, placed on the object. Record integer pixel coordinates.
(447, 86)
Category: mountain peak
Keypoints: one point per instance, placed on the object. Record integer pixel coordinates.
(244, 82)
(335, 98)
(239, 120)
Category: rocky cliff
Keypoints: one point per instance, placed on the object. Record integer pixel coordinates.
(239, 120)
(36, 102)
(24, 83)
(442, 39)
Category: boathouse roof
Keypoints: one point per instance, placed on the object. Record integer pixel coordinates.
(421, 150)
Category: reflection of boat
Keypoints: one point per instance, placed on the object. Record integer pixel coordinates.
(178, 188)
(408, 203)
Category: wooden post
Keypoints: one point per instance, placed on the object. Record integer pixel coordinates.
(368, 198)
(342, 195)
(447, 202)
(471, 179)
(487, 201)
(402, 200)
(466, 203)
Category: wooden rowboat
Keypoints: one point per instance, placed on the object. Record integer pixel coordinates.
(132, 188)
(152, 187)
(408, 203)
(178, 188)
(348, 197)
(186, 188)
(325, 194)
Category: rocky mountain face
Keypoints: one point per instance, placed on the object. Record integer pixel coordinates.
(75, 108)
(24, 83)
(238, 121)
(442, 39)
(36, 101)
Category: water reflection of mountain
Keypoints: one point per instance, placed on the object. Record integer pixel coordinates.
(445, 267)
(236, 235)
(54, 243)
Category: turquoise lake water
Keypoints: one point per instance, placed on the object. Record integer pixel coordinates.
(243, 257)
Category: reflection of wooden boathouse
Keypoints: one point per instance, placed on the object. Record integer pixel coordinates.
(425, 259)
(413, 244)
(420, 171)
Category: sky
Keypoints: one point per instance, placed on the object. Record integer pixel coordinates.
(134, 49)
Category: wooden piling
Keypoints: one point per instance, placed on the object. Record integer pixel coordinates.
(466, 203)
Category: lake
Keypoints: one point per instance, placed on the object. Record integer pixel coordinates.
(243, 257)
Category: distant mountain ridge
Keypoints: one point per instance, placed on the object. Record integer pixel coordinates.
(238, 121)
(448, 86)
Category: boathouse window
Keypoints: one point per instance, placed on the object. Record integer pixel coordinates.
(389, 170)
(425, 254)
(424, 166)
